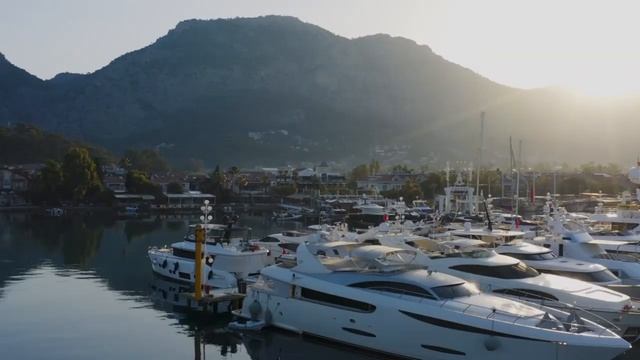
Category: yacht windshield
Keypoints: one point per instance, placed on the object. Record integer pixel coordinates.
(455, 291)
(515, 271)
(532, 257)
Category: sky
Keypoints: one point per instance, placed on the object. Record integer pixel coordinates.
(588, 46)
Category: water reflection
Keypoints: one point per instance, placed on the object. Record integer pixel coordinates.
(81, 286)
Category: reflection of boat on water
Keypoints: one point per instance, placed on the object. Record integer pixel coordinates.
(276, 344)
(173, 296)
(206, 330)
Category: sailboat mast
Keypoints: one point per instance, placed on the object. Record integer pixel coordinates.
(480, 153)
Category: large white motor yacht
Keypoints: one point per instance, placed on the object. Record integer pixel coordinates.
(569, 238)
(225, 263)
(508, 276)
(375, 297)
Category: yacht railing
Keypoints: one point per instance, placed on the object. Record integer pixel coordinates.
(529, 299)
(517, 318)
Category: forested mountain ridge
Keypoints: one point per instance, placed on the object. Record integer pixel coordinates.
(274, 89)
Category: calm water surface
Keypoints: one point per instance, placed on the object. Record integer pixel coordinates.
(80, 287)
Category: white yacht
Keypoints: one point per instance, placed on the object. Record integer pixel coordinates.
(570, 239)
(545, 261)
(316, 234)
(376, 298)
(226, 261)
(508, 276)
(621, 223)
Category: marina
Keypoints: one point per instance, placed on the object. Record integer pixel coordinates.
(281, 180)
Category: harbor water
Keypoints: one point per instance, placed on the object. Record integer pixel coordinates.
(81, 287)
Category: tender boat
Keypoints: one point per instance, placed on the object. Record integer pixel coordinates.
(376, 297)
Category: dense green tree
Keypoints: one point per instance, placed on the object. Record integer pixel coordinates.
(374, 167)
(22, 143)
(284, 190)
(146, 160)
(401, 169)
(138, 182)
(174, 188)
(46, 187)
(359, 172)
(80, 174)
(433, 185)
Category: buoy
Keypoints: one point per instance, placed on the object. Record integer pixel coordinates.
(492, 343)
(254, 310)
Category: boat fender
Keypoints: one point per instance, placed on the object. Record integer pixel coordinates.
(254, 310)
(175, 267)
(210, 275)
(492, 343)
(164, 264)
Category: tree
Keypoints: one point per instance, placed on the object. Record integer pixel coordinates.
(174, 188)
(374, 167)
(401, 169)
(146, 160)
(47, 186)
(411, 190)
(137, 182)
(284, 190)
(80, 173)
(433, 185)
(265, 182)
(360, 172)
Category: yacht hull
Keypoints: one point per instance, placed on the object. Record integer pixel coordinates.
(402, 333)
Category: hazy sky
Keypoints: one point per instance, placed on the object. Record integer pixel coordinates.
(592, 46)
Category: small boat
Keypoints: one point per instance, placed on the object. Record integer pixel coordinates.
(247, 324)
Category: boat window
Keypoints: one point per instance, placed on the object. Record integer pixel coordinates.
(334, 300)
(292, 247)
(187, 254)
(269, 239)
(595, 277)
(515, 271)
(372, 242)
(455, 291)
(526, 293)
(395, 287)
(532, 257)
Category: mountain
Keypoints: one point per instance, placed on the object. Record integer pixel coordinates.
(273, 89)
